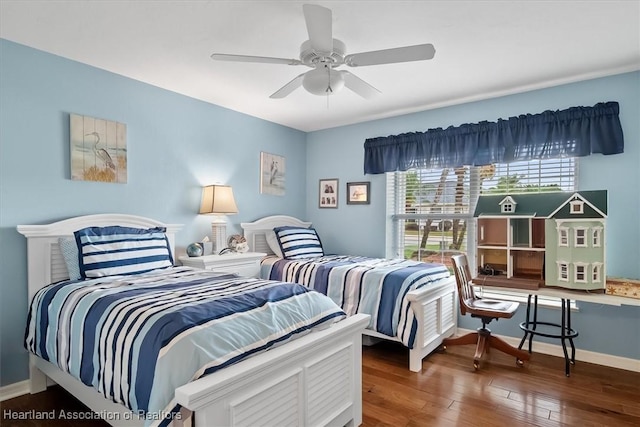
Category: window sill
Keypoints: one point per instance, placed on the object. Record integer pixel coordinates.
(543, 301)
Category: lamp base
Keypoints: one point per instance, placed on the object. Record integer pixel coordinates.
(219, 230)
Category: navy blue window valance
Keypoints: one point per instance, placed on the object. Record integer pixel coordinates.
(574, 132)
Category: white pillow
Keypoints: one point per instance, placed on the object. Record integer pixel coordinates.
(272, 241)
(69, 251)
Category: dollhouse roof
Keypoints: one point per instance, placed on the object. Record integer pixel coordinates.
(545, 205)
(595, 206)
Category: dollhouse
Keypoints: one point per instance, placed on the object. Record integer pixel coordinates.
(542, 239)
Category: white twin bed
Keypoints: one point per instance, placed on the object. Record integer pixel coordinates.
(313, 380)
(428, 311)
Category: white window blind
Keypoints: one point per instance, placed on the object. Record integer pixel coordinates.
(429, 212)
(531, 176)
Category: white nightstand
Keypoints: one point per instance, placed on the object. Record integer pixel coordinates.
(244, 264)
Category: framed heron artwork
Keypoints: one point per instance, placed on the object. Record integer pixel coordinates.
(98, 149)
(272, 174)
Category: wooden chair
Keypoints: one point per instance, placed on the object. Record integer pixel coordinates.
(486, 310)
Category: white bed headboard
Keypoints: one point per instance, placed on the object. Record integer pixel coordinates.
(44, 260)
(255, 232)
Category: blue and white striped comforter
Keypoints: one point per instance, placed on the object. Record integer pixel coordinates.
(137, 338)
(373, 286)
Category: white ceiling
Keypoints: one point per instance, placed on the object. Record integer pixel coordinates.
(483, 48)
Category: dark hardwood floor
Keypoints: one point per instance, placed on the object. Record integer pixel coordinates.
(448, 392)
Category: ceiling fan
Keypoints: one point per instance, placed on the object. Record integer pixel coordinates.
(325, 54)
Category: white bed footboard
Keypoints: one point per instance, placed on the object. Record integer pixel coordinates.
(314, 381)
(436, 310)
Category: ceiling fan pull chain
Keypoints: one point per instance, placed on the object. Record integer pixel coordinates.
(329, 91)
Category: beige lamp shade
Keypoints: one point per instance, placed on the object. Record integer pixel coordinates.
(218, 199)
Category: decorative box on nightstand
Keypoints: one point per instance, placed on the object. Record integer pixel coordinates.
(244, 264)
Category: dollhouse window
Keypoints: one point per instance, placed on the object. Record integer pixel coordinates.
(507, 205)
(577, 207)
(563, 236)
(596, 272)
(581, 238)
(596, 237)
(563, 271)
(580, 273)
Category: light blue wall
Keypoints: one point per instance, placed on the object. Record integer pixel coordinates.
(360, 229)
(176, 144)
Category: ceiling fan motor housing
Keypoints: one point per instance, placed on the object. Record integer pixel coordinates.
(310, 57)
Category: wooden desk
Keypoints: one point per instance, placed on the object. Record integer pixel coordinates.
(569, 294)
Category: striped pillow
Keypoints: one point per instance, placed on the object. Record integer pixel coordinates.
(116, 250)
(297, 242)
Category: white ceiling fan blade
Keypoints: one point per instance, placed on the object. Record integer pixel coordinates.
(288, 88)
(248, 58)
(419, 52)
(319, 27)
(358, 85)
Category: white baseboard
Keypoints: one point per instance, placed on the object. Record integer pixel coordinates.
(581, 355)
(14, 390)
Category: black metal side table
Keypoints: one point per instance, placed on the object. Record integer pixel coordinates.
(548, 329)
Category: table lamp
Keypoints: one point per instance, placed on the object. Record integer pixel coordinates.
(218, 200)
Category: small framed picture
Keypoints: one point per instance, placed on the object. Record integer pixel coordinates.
(328, 193)
(358, 193)
(272, 174)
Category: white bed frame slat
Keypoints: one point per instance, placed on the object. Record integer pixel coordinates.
(255, 232)
(434, 306)
(58, 265)
(231, 396)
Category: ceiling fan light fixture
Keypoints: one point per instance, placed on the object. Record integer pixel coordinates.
(323, 81)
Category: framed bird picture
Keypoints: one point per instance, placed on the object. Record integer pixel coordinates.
(272, 174)
(98, 149)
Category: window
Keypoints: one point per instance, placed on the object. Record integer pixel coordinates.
(595, 272)
(596, 236)
(563, 236)
(581, 238)
(577, 206)
(508, 205)
(563, 271)
(580, 273)
(430, 212)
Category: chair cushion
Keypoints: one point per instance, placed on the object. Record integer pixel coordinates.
(501, 308)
